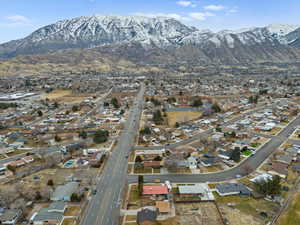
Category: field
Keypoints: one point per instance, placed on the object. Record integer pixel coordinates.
(292, 215)
(235, 217)
(74, 98)
(57, 94)
(68, 221)
(180, 117)
(204, 213)
(244, 210)
(274, 131)
(72, 211)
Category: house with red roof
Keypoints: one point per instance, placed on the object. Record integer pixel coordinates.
(155, 190)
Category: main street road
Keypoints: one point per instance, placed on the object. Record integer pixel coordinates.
(252, 163)
(104, 207)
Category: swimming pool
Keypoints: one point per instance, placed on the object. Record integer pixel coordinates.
(69, 163)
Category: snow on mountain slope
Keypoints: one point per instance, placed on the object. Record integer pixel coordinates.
(158, 32)
(113, 29)
(281, 29)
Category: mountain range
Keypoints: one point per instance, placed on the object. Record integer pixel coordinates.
(159, 40)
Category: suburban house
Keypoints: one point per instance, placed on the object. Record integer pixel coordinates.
(212, 161)
(192, 162)
(146, 217)
(286, 158)
(201, 190)
(10, 216)
(152, 164)
(2, 171)
(232, 189)
(53, 215)
(225, 154)
(155, 190)
(188, 190)
(64, 192)
(280, 169)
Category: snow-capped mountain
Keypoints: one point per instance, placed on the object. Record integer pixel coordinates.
(97, 30)
(158, 33)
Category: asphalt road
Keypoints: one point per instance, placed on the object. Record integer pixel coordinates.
(242, 169)
(104, 207)
(98, 108)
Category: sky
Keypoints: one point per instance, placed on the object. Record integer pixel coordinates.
(19, 18)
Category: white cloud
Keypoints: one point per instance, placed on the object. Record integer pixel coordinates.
(186, 4)
(18, 19)
(214, 7)
(232, 11)
(15, 21)
(200, 16)
(168, 15)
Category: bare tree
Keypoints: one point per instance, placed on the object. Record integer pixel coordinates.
(247, 168)
(204, 139)
(45, 192)
(172, 163)
(9, 195)
(19, 203)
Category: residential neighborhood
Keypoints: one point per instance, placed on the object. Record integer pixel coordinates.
(174, 137)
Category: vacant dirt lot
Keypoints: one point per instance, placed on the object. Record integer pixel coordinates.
(292, 215)
(57, 94)
(236, 217)
(72, 211)
(240, 210)
(204, 213)
(68, 221)
(180, 117)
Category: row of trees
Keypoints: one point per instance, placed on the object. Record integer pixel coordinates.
(101, 136)
(115, 103)
(4, 105)
(253, 99)
(145, 131)
(157, 117)
(270, 187)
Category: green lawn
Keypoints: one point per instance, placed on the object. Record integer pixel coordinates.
(247, 152)
(254, 145)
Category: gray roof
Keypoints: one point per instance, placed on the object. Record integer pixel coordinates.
(146, 215)
(209, 161)
(292, 150)
(191, 189)
(65, 190)
(10, 214)
(45, 215)
(57, 206)
(183, 163)
(233, 187)
(284, 158)
(188, 109)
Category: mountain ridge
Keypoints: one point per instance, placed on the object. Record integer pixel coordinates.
(159, 40)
